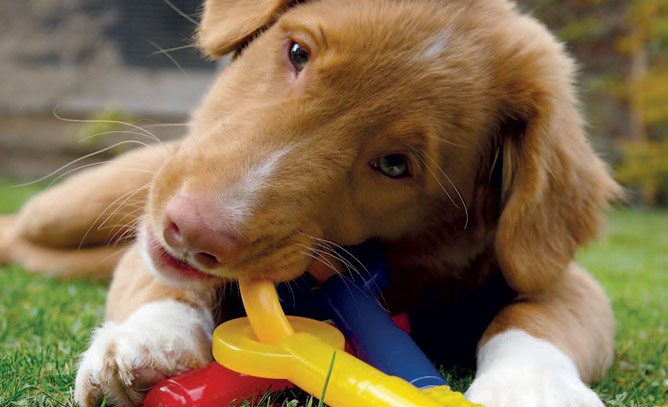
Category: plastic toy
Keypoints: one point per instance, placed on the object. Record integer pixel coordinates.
(210, 386)
(350, 301)
(301, 349)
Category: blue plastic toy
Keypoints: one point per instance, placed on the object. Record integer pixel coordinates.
(349, 300)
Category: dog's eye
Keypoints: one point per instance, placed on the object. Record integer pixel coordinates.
(298, 56)
(393, 165)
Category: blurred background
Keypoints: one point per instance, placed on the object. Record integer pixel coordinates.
(128, 61)
(131, 61)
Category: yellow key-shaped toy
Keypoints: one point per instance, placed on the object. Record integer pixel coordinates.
(269, 344)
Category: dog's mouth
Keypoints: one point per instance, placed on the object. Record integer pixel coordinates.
(163, 262)
(171, 269)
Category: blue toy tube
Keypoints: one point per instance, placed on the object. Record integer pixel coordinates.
(374, 336)
(368, 270)
(349, 300)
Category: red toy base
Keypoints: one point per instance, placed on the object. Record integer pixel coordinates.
(210, 386)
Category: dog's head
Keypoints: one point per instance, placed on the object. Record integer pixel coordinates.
(343, 121)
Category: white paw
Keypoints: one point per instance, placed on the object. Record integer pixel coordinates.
(124, 360)
(531, 389)
(516, 369)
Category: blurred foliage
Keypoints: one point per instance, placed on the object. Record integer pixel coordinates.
(622, 49)
(646, 166)
(650, 96)
(108, 129)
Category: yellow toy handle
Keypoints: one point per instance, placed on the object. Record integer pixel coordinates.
(264, 311)
(304, 358)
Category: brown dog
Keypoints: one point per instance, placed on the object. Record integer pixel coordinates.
(445, 129)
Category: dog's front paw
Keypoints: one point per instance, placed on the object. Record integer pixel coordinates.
(516, 369)
(160, 339)
(531, 389)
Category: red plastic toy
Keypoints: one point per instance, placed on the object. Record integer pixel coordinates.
(210, 386)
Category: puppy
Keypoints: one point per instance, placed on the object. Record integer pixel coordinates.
(445, 129)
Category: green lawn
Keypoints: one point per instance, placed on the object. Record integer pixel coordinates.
(45, 324)
(631, 262)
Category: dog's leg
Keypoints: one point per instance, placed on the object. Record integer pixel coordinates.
(541, 351)
(78, 228)
(151, 331)
(91, 263)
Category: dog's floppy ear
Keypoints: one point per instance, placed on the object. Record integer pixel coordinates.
(228, 24)
(554, 185)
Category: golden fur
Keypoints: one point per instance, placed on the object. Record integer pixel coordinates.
(504, 186)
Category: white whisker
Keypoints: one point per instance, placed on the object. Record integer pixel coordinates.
(122, 204)
(445, 141)
(171, 58)
(104, 133)
(316, 255)
(122, 225)
(80, 159)
(343, 249)
(113, 253)
(167, 125)
(139, 170)
(331, 266)
(81, 167)
(70, 120)
(324, 243)
(328, 251)
(180, 12)
(127, 234)
(173, 49)
(461, 198)
(131, 125)
(128, 194)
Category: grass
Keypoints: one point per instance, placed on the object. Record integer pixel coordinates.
(45, 324)
(631, 262)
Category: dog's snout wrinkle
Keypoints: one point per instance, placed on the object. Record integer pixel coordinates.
(189, 231)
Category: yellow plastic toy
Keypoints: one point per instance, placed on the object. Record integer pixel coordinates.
(269, 344)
